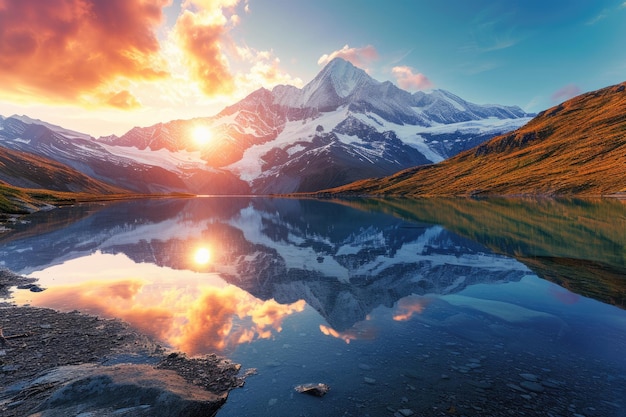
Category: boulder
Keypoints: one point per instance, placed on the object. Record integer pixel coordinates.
(124, 390)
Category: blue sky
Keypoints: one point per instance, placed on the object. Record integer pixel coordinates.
(530, 53)
(102, 67)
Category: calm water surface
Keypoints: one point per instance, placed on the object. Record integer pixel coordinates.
(437, 307)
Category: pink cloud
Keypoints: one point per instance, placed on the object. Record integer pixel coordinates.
(359, 57)
(410, 81)
(565, 93)
(65, 50)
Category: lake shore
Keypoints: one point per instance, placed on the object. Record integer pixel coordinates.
(37, 342)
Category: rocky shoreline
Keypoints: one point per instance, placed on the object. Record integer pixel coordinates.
(57, 364)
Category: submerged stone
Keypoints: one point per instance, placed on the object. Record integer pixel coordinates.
(530, 377)
(532, 386)
(317, 390)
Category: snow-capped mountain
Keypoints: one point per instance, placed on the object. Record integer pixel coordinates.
(340, 127)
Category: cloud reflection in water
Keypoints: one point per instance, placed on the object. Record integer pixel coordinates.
(197, 313)
(403, 310)
(407, 306)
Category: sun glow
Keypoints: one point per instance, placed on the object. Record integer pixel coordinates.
(201, 135)
(202, 256)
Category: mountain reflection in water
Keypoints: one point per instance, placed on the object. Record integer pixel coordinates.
(340, 261)
(428, 305)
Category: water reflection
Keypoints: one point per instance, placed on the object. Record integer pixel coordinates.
(408, 306)
(578, 244)
(379, 299)
(341, 261)
(363, 330)
(197, 313)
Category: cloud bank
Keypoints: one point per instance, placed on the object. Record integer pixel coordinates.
(200, 37)
(79, 50)
(117, 53)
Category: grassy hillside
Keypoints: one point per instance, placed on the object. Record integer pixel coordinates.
(19, 201)
(575, 148)
(15, 200)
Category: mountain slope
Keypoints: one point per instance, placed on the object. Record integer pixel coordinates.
(25, 170)
(121, 167)
(575, 148)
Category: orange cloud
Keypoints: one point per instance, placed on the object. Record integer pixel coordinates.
(210, 4)
(79, 50)
(270, 314)
(410, 81)
(202, 37)
(123, 100)
(359, 57)
(126, 289)
(210, 322)
(203, 45)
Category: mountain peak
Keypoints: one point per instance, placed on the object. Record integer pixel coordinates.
(57, 129)
(333, 86)
(27, 120)
(342, 76)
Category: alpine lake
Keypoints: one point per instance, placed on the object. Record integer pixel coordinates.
(425, 307)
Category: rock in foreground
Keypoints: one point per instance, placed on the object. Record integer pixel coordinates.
(124, 390)
(65, 364)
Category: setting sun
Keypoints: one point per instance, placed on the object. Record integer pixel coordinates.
(201, 135)
(202, 256)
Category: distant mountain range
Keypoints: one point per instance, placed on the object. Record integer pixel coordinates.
(575, 148)
(341, 127)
